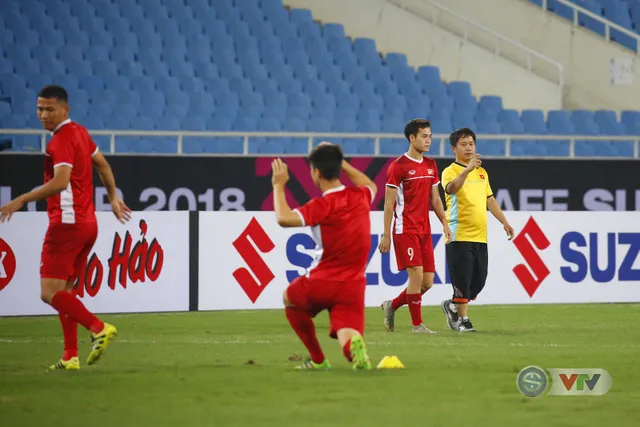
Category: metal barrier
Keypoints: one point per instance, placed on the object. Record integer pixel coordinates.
(378, 138)
(498, 43)
(608, 25)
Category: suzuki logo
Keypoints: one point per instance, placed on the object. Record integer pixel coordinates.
(259, 269)
(534, 264)
(7, 264)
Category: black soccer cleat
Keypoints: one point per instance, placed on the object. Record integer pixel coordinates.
(466, 326)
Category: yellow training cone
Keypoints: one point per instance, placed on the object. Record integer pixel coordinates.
(390, 362)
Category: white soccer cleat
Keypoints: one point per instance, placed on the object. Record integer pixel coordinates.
(389, 316)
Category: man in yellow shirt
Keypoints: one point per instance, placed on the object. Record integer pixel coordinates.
(468, 195)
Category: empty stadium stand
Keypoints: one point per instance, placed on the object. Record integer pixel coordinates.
(625, 13)
(247, 65)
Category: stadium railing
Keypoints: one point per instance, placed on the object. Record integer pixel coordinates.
(501, 45)
(440, 141)
(608, 25)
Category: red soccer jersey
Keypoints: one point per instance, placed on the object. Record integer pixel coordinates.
(341, 228)
(71, 146)
(414, 180)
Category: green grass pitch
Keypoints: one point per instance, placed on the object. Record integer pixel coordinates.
(233, 369)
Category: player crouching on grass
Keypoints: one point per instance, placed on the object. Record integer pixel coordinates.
(335, 281)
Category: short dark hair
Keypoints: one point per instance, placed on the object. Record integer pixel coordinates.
(54, 92)
(414, 126)
(457, 134)
(328, 160)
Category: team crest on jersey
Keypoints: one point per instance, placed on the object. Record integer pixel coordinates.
(412, 172)
(430, 171)
(481, 176)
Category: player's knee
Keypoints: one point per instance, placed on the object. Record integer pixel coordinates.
(285, 300)
(425, 286)
(49, 287)
(46, 295)
(414, 273)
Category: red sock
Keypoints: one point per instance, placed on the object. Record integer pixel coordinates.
(415, 308)
(70, 331)
(68, 304)
(347, 350)
(400, 300)
(306, 331)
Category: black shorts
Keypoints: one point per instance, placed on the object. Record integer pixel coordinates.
(468, 264)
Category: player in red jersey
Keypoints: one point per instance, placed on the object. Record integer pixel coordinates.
(335, 281)
(68, 188)
(412, 187)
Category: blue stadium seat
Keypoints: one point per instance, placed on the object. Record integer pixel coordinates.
(587, 21)
(510, 122)
(393, 147)
(490, 147)
(444, 103)
(309, 30)
(5, 108)
(176, 112)
(607, 121)
(533, 121)
(364, 46)
(332, 31)
(440, 122)
(631, 122)
(193, 85)
(490, 104)
(298, 16)
(559, 122)
(26, 143)
(560, 9)
(194, 123)
(463, 119)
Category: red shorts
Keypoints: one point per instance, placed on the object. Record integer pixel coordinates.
(66, 249)
(414, 250)
(344, 300)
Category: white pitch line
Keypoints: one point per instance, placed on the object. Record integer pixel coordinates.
(433, 343)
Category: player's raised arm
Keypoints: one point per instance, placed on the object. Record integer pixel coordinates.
(359, 178)
(120, 210)
(456, 184)
(284, 215)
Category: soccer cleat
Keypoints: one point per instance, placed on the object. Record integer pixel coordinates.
(421, 329)
(360, 358)
(452, 316)
(100, 342)
(72, 364)
(389, 316)
(310, 365)
(466, 326)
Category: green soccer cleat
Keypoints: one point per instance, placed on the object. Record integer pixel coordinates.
(310, 365)
(100, 342)
(72, 364)
(359, 356)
